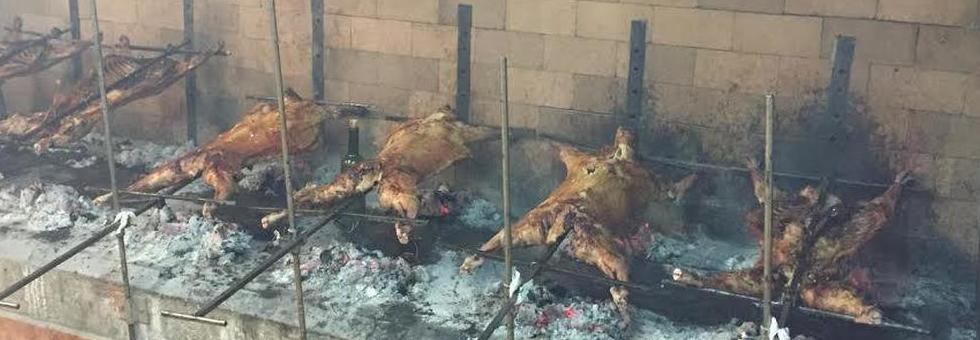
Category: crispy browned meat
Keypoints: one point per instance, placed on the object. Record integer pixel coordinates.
(413, 151)
(827, 286)
(606, 192)
(254, 138)
(20, 56)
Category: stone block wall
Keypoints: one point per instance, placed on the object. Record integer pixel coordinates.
(915, 79)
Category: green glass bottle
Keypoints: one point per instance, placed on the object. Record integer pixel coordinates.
(353, 157)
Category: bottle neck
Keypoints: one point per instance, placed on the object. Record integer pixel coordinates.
(353, 140)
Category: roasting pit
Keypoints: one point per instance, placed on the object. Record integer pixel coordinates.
(362, 274)
(644, 198)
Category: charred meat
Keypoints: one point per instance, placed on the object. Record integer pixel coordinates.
(606, 193)
(414, 151)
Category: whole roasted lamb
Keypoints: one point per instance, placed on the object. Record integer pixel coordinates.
(414, 151)
(602, 200)
(72, 115)
(256, 137)
(829, 284)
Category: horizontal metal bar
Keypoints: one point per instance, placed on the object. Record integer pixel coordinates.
(55, 32)
(188, 317)
(11, 305)
(699, 165)
(220, 52)
(371, 217)
(19, 144)
(34, 33)
(318, 102)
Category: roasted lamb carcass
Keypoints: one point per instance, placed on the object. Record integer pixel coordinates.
(414, 151)
(602, 200)
(827, 285)
(256, 137)
(21, 55)
(74, 114)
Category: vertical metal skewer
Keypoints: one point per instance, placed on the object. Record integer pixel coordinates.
(110, 159)
(505, 191)
(190, 80)
(287, 172)
(767, 228)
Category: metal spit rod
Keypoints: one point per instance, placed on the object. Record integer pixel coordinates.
(649, 288)
(251, 275)
(110, 159)
(767, 227)
(287, 172)
(42, 39)
(647, 158)
(371, 217)
(505, 190)
(220, 53)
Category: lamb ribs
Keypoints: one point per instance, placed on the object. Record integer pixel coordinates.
(606, 192)
(414, 151)
(831, 255)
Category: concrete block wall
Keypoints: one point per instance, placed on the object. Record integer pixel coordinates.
(915, 78)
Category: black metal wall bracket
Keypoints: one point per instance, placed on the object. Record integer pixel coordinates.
(464, 28)
(637, 65)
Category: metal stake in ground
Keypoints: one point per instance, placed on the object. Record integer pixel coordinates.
(110, 159)
(536, 268)
(287, 172)
(505, 194)
(832, 128)
(767, 228)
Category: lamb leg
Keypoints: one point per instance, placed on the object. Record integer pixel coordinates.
(595, 246)
(398, 192)
(531, 230)
(358, 179)
(164, 176)
(219, 174)
(871, 218)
